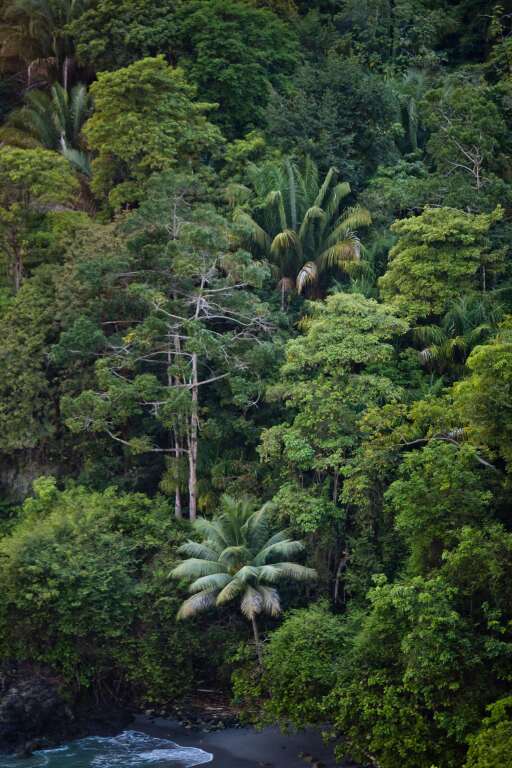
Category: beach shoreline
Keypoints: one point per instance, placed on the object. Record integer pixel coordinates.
(245, 747)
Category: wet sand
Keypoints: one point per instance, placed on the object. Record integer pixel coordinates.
(245, 747)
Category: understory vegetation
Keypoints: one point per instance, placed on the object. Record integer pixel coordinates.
(256, 362)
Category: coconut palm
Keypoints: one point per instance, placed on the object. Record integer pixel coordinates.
(298, 223)
(54, 120)
(239, 558)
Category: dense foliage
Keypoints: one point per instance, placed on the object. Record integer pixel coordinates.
(256, 346)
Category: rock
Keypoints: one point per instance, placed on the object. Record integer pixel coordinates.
(31, 710)
(27, 750)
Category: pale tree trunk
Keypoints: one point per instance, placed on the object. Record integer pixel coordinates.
(257, 641)
(194, 421)
(18, 272)
(341, 567)
(178, 511)
(66, 69)
(177, 505)
(193, 438)
(17, 263)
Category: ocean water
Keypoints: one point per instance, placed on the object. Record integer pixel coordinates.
(130, 749)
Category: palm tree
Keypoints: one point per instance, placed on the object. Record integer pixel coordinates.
(35, 32)
(298, 223)
(410, 90)
(468, 321)
(239, 558)
(54, 120)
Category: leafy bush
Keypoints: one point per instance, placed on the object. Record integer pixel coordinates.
(299, 669)
(85, 590)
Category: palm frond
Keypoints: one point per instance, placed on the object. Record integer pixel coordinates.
(309, 180)
(428, 334)
(341, 233)
(80, 107)
(200, 550)
(79, 160)
(292, 192)
(216, 581)
(212, 533)
(276, 538)
(230, 591)
(307, 275)
(60, 108)
(196, 604)
(236, 553)
(355, 216)
(236, 194)
(275, 199)
(286, 548)
(340, 254)
(256, 528)
(269, 574)
(257, 234)
(429, 354)
(252, 603)
(329, 178)
(296, 572)
(270, 600)
(193, 568)
(285, 240)
(312, 214)
(340, 191)
(247, 573)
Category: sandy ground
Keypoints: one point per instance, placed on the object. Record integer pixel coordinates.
(245, 747)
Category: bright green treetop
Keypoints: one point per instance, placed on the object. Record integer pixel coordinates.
(145, 120)
(439, 255)
(492, 745)
(438, 491)
(330, 376)
(32, 181)
(483, 398)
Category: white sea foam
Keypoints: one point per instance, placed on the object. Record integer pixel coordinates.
(130, 749)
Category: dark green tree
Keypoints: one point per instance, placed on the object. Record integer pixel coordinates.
(235, 54)
(339, 113)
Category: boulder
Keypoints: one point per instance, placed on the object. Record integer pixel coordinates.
(32, 710)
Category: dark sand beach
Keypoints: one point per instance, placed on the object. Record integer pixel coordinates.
(245, 747)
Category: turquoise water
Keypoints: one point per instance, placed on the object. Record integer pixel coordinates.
(130, 749)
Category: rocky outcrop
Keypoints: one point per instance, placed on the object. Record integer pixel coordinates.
(33, 714)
